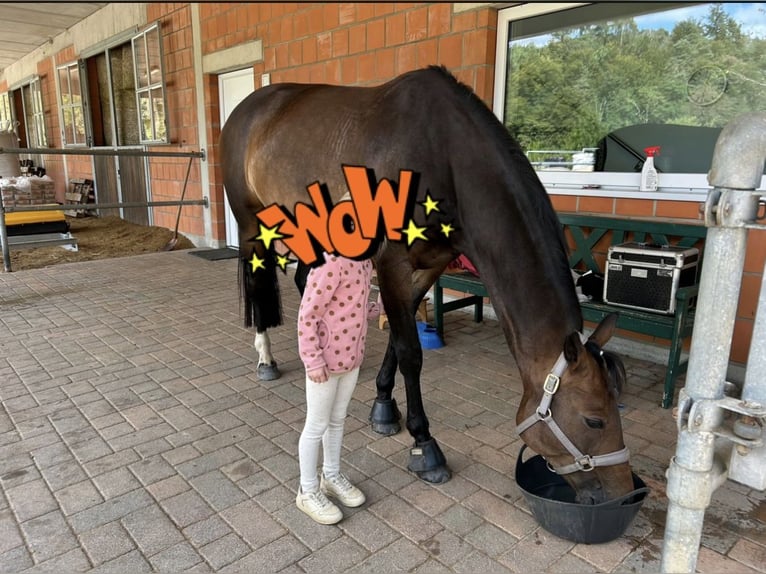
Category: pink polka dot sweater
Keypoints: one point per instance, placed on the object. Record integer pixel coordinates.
(332, 319)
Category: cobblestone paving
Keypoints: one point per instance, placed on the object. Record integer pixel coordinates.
(134, 436)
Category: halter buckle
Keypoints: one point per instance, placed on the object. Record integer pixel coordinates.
(586, 463)
(551, 384)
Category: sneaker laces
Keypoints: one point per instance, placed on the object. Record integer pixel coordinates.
(319, 499)
(340, 482)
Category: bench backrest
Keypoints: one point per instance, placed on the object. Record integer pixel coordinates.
(585, 232)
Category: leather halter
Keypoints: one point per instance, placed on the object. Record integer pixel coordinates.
(582, 462)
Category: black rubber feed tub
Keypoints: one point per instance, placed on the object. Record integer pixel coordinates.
(552, 502)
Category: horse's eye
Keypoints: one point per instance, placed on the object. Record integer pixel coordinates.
(594, 423)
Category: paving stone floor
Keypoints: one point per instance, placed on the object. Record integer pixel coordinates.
(134, 436)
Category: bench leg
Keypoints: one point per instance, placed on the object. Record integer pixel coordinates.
(439, 309)
(672, 372)
(478, 311)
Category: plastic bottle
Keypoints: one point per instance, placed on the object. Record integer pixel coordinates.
(649, 172)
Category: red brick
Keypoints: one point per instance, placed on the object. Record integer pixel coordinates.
(348, 71)
(416, 24)
(383, 8)
(315, 19)
(406, 58)
(464, 21)
(376, 34)
(634, 207)
(597, 205)
(301, 25)
(475, 47)
(346, 13)
(394, 29)
(384, 64)
(755, 257)
(333, 72)
(295, 53)
(330, 16)
(283, 58)
(317, 73)
(286, 29)
(427, 52)
(564, 202)
(310, 50)
(364, 11)
(366, 67)
(451, 51)
(678, 209)
(439, 18)
(340, 43)
(324, 46)
(357, 36)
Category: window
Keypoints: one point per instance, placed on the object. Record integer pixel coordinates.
(586, 88)
(34, 115)
(5, 111)
(73, 119)
(150, 85)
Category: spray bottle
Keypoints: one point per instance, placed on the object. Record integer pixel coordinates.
(649, 172)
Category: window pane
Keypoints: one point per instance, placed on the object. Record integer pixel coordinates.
(74, 84)
(158, 111)
(153, 56)
(590, 88)
(139, 54)
(64, 83)
(145, 110)
(68, 126)
(79, 125)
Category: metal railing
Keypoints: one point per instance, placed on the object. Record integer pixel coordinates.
(710, 447)
(95, 206)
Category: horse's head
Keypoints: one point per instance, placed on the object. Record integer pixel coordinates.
(576, 416)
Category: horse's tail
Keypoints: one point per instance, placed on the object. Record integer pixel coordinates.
(259, 289)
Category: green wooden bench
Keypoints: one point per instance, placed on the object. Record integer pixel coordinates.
(590, 237)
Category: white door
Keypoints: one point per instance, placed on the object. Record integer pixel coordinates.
(233, 87)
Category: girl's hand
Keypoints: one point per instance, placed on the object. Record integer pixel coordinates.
(319, 375)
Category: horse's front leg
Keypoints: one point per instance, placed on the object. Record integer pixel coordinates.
(385, 415)
(267, 367)
(426, 458)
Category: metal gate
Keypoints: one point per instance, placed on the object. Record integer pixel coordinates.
(721, 436)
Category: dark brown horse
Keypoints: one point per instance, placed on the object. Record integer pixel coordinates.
(284, 137)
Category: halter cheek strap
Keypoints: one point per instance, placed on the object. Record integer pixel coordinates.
(582, 462)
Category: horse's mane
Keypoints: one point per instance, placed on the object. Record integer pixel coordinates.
(539, 202)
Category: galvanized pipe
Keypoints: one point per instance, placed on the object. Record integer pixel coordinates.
(695, 471)
(121, 152)
(117, 205)
(4, 238)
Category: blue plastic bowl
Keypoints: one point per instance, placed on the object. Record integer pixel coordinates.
(429, 338)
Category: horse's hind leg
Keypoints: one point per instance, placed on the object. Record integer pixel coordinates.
(260, 294)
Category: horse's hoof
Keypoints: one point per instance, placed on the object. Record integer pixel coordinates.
(268, 372)
(385, 416)
(428, 462)
(386, 429)
(436, 476)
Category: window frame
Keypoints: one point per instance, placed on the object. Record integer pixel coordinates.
(71, 107)
(673, 186)
(146, 89)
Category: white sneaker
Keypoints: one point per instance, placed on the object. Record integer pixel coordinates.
(316, 505)
(341, 489)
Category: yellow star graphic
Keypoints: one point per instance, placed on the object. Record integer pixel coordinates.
(268, 234)
(429, 204)
(256, 263)
(447, 229)
(284, 260)
(414, 232)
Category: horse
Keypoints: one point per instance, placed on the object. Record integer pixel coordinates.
(283, 137)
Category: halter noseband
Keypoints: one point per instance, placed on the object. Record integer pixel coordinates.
(583, 462)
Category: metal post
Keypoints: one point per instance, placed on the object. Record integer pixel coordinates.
(748, 465)
(4, 238)
(696, 471)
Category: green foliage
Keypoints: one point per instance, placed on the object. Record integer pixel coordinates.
(589, 80)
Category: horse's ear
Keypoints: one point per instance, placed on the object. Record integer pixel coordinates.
(604, 330)
(573, 347)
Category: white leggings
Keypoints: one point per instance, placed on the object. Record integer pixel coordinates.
(326, 407)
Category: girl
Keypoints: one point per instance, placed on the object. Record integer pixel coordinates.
(332, 327)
